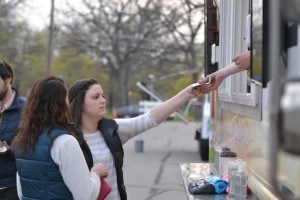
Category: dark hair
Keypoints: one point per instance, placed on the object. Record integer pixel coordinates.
(45, 106)
(76, 97)
(6, 71)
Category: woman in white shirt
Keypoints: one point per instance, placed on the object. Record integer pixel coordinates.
(105, 137)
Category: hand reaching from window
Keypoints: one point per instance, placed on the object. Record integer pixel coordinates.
(239, 63)
(242, 60)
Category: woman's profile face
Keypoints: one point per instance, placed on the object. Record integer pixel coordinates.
(3, 88)
(94, 103)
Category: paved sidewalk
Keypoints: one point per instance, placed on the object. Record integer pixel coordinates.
(154, 174)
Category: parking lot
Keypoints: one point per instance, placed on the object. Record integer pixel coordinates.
(154, 173)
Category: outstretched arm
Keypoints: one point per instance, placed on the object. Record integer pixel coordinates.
(129, 128)
(240, 62)
(162, 111)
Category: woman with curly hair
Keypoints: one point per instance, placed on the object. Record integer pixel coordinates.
(50, 156)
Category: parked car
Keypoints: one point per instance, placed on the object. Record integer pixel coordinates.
(130, 111)
(148, 105)
(138, 109)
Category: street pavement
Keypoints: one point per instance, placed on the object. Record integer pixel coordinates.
(154, 174)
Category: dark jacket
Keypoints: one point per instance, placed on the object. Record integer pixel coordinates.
(109, 131)
(39, 175)
(9, 126)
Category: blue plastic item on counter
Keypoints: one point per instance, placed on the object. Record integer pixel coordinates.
(219, 184)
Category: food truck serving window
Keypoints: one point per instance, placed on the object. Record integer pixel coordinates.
(241, 89)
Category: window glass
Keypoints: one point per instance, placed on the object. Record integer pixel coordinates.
(257, 40)
(260, 31)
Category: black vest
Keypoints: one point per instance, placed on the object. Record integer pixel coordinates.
(85, 148)
(109, 131)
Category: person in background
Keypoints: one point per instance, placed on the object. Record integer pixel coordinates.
(49, 154)
(11, 105)
(105, 137)
(239, 63)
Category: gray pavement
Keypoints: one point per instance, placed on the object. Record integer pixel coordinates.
(154, 174)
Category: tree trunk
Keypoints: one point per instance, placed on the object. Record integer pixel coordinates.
(51, 27)
(121, 89)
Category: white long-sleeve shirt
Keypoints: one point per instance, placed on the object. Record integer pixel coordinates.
(127, 129)
(83, 184)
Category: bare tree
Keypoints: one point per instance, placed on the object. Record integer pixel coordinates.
(128, 35)
(183, 19)
(50, 38)
(9, 27)
(9, 6)
(125, 35)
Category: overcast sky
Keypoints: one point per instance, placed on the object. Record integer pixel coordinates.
(37, 13)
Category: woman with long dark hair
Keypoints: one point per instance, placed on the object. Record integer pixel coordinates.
(49, 157)
(105, 137)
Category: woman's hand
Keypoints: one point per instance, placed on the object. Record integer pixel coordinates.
(100, 169)
(215, 80)
(192, 92)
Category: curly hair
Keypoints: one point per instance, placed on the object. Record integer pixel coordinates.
(46, 106)
(76, 96)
